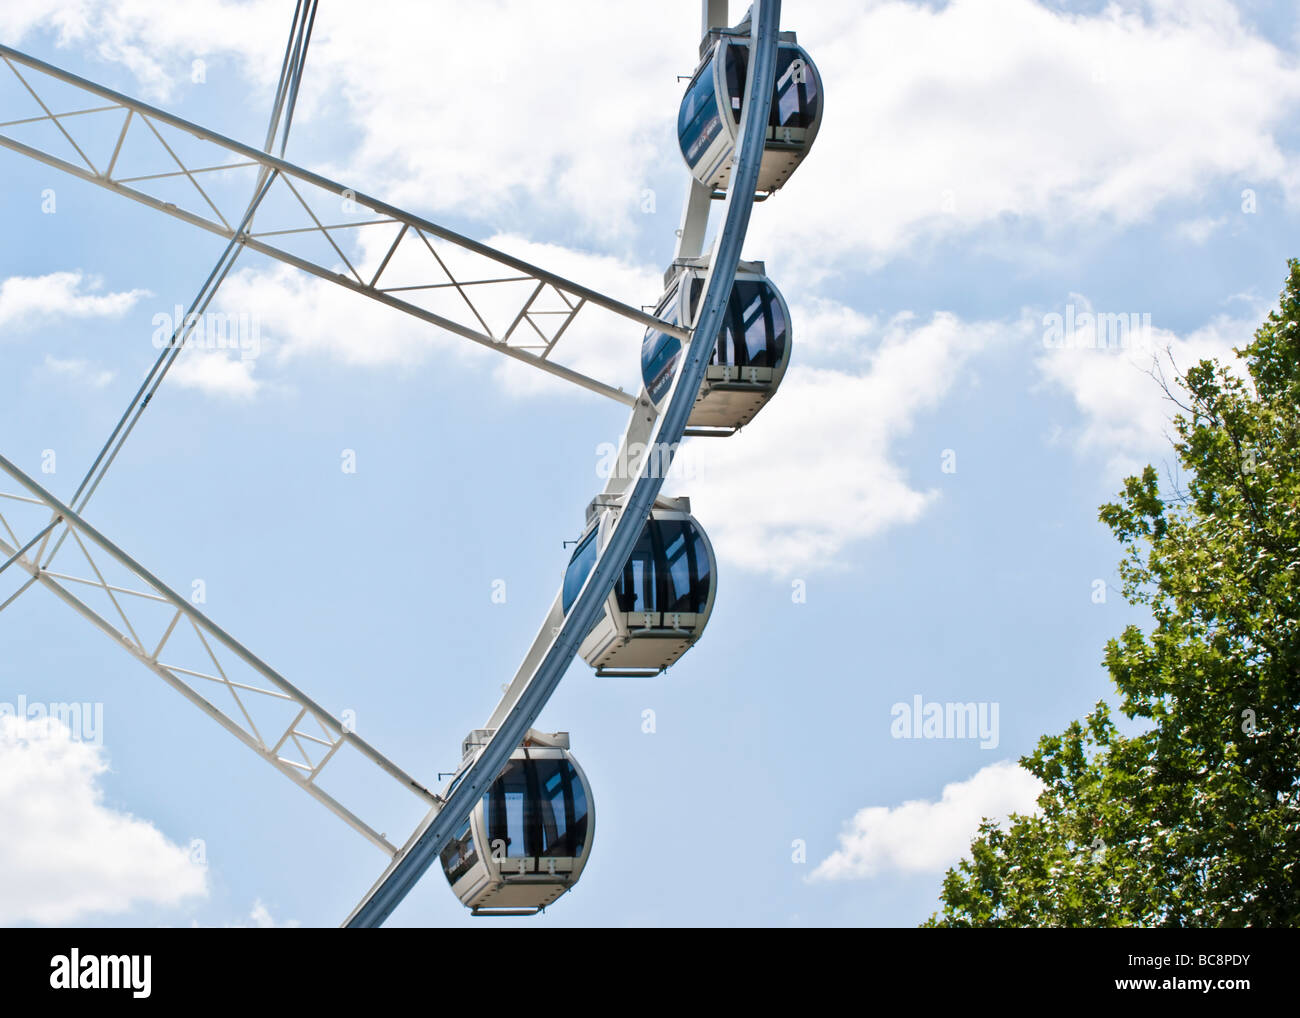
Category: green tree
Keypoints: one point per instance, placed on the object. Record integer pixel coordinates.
(1195, 821)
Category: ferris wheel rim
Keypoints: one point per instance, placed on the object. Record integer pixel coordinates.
(665, 422)
(423, 848)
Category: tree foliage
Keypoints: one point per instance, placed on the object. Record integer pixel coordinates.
(1196, 820)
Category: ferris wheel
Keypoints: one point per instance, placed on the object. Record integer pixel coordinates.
(513, 827)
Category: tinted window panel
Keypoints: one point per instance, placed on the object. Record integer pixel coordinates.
(580, 566)
(737, 67)
(459, 855)
(678, 553)
(698, 122)
(794, 100)
(776, 345)
(795, 95)
(506, 806)
(635, 588)
(756, 322)
(703, 579)
(755, 329)
(563, 809)
(659, 354)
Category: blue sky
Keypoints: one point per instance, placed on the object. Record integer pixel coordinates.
(982, 166)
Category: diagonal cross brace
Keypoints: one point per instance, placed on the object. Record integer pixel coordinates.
(334, 734)
(576, 295)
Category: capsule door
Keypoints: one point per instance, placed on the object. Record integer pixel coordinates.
(704, 135)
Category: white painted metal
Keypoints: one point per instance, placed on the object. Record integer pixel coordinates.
(695, 220)
(536, 652)
(539, 315)
(699, 196)
(300, 750)
(714, 15)
(558, 641)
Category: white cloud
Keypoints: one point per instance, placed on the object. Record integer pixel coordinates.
(215, 373)
(479, 108)
(823, 447)
(599, 343)
(823, 450)
(1200, 229)
(928, 836)
(302, 316)
(560, 114)
(944, 118)
(157, 41)
(1125, 413)
(262, 919)
(64, 854)
(78, 371)
(1006, 107)
(28, 301)
(259, 918)
(1017, 110)
(67, 19)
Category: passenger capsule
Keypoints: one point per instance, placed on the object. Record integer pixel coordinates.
(528, 839)
(748, 360)
(662, 599)
(709, 118)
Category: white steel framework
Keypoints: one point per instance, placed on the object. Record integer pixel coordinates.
(398, 259)
(146, 618)
(448, 288)
(556, 646)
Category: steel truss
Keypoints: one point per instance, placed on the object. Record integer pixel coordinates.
(398, 259)
(153, 624)
(310, 739)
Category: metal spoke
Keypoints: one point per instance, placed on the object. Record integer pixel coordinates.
(122, 623)
(262, 698)
(231, 154)
(215, 648)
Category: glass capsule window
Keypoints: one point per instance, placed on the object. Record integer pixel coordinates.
(687, 560)
(537, 808)
(659, 351)
(658, 359)
(737, 66)
(668, 570)
(796, 95)
(580, 567)
(698, 120)
(562, 809)
(460, 855)
(637, 588)
(755, 329)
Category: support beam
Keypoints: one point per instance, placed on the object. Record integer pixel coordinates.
(314, 745)
(484, 283)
